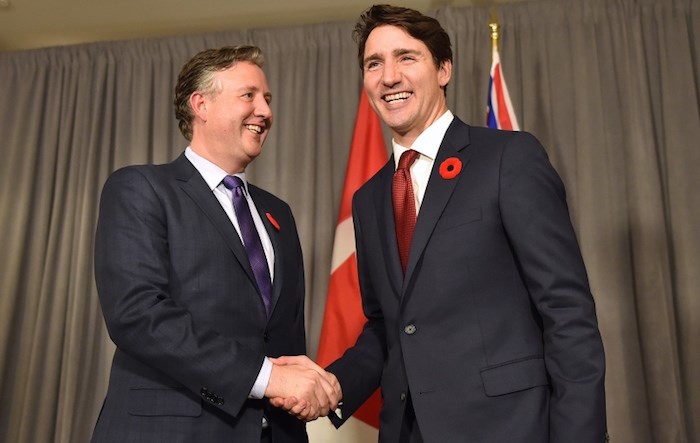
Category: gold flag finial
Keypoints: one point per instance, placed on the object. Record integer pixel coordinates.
(493, 24)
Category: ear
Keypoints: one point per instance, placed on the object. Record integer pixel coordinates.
(198, 103)
(445, 73)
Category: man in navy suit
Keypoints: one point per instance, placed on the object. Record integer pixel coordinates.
(197, 321)
(482, 328)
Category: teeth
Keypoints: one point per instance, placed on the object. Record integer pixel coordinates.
(397, 96)
(254, 128)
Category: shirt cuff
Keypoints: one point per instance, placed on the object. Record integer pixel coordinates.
(263, 379)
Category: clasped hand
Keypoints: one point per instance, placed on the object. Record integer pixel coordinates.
(302, 388)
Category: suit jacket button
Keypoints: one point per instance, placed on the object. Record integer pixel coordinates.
(266, 337)
(410, 329)
(204, 392)
(403, 396)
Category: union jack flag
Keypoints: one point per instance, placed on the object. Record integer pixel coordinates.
(499, 109)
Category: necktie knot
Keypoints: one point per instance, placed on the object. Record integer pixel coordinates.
(233, 182)
(407, 159)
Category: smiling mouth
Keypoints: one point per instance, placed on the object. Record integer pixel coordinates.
(255, 128)
(398, 97)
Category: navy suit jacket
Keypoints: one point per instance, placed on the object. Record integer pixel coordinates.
(492, 331)
(181, 304)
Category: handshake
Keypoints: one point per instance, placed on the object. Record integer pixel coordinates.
(302, 388)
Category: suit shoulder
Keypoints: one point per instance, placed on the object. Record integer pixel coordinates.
(479, 134)
(126, 174)
(515, 144)
(131, 173)
(138, 178)
(143, 169)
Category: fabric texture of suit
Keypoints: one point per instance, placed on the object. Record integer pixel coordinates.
(492, 331)
(180, 303)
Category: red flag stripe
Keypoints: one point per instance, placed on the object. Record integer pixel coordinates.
(343, 318)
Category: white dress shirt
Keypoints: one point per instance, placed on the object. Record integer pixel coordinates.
(427, 145)
(214, 176)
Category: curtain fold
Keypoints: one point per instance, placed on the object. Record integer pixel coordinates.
(611, 88)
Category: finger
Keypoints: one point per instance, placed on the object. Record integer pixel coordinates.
(333, 380)
(298, 404)
(325, 400)
(310, 412)
(285, 403)
(301, 360)
(329, 378)
(298, 410)
(331, 397)
(313, 414)
(277, 402)
(280, 361)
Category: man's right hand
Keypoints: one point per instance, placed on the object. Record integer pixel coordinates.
(303, 388)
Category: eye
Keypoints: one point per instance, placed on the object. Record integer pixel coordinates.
(248, 95)
(371, 66)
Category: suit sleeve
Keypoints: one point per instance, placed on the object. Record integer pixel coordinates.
(359, 370)
(535, 215)
(135, 282)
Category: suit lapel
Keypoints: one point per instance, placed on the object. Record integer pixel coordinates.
(438, 191)
(197, 189)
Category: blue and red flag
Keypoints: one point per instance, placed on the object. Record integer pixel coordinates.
(499, 109)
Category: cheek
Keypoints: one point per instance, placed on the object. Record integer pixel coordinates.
(371, 81)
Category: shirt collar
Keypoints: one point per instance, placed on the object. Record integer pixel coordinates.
(210, 172)
(428, 142)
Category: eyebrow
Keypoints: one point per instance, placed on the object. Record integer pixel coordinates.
(403, 51)
(396, 53)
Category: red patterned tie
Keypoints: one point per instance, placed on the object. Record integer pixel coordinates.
(404, 205)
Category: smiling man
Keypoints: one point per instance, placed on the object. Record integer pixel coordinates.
(200, 278)
(480, 323)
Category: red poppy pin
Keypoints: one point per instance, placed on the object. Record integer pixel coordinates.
(450, 168)
(272, 220)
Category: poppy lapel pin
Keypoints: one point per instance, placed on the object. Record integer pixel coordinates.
(450, 168)
(272, 220)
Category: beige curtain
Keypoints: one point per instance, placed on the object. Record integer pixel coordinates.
(611, 88)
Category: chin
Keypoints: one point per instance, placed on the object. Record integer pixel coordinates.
(254, 153)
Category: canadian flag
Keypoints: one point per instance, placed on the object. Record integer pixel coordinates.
(343, 319)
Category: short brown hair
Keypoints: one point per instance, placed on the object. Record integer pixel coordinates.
(419, 26)
(198, 76)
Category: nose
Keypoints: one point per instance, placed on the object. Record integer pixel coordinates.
(391, 73)
(262, 108)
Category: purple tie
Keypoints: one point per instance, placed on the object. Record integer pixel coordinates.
(251, 239)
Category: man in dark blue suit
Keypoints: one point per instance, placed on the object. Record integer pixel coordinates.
(201, 280)
(481, 325)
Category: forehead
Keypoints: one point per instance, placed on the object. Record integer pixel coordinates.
(389, 38)
(243, 75)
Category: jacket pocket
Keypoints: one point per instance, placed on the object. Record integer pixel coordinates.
(462, 216)
(514, 376)
(153, 402)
